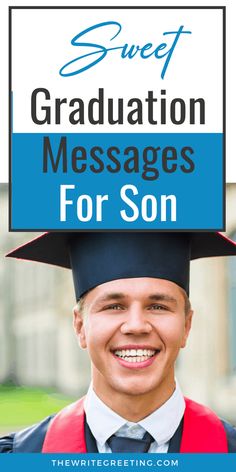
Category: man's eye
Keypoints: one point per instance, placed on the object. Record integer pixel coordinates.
(158, 307)
(114, 306)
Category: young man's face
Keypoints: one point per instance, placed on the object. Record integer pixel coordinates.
(133, 330)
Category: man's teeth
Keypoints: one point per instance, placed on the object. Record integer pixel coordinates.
(135, 355)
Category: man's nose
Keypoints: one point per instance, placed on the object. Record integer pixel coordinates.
(136, 321)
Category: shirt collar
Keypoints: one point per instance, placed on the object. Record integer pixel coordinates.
(102, 421)
(161, 424)
(164, 421)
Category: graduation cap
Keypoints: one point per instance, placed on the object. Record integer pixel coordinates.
(96, 258)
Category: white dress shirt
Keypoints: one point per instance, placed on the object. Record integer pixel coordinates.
(161, 424)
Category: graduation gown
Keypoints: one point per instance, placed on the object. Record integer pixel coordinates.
(35, 438)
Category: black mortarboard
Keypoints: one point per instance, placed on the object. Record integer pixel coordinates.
(96, 258)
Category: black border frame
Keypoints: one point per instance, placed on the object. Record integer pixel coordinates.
(119, 7)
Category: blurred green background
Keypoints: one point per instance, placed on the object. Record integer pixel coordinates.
(21, 406)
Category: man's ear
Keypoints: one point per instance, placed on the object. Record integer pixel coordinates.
(78, 323)
(187, 327)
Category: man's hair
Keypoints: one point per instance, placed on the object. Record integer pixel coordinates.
(187, 304)
(81, 304)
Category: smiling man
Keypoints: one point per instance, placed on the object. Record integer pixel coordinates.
(133, 316)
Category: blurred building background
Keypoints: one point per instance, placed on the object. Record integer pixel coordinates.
(38, 346)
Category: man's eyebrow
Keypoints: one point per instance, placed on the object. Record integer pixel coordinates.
(119, 296)
(158, 297)
(110, 296)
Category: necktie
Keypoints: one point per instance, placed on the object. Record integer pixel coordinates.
(122, 444)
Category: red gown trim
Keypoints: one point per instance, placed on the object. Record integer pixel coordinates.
(202, 431)
(66, 431)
